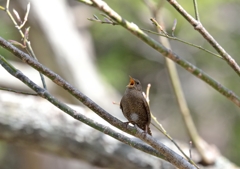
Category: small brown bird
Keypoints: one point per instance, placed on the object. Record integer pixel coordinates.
(135, 107)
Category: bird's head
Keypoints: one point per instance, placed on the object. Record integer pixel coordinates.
(134, 84)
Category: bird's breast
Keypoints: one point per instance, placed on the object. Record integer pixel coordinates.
(134, 117)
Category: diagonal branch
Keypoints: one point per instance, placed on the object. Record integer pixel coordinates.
(160, 148)
(198, 26)
(166, 52)
(44, 128)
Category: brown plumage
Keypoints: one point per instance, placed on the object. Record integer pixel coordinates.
(134, 106)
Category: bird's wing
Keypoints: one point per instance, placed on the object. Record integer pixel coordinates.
(146, 106)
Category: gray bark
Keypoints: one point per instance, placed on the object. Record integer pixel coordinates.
(33, 123)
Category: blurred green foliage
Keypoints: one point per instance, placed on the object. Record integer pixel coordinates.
(7, 32)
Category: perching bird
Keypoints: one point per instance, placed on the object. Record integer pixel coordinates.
(135, 107)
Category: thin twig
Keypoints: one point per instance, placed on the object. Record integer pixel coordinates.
(7, 4)
(106, 20)
(185, 42)
(198, 26)
(196, 10)
(190, 149)
(19, 92)
(28, 44)
(164, 34)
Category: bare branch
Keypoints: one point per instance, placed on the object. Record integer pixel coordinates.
(198, 26)
(133, 28)
(169, 155)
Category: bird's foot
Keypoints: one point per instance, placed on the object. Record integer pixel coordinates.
(126, 124)
(148, 130)
(144, 133)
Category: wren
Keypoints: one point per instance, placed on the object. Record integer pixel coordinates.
(135, 107)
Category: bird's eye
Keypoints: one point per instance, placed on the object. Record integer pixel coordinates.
(137, 83)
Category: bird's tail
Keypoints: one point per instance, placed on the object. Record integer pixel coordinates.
(146, 129)
(149, 131)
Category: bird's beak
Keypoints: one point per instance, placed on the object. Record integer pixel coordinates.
(131, 83)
